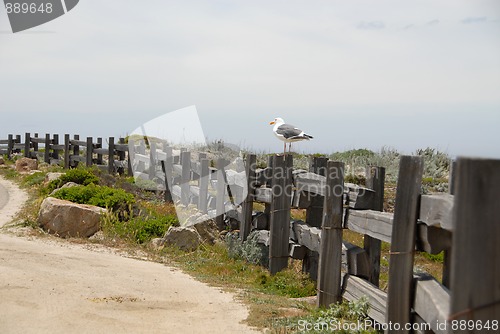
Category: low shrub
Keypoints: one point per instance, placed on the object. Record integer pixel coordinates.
(105, 197)
(83, 176)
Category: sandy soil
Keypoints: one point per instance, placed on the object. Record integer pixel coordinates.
(53, 286)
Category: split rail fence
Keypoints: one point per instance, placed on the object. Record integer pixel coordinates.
(463, 224)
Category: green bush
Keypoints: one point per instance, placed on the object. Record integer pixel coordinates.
(83, 176)
(105, 197)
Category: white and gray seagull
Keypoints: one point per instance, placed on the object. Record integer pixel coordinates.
(288, 133)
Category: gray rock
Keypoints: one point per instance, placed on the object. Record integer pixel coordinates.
(68, 219)
(53, 176)
(185, 238)
(66, 185)
(2, 161)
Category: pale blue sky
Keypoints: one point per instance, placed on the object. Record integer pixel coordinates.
(354, 74)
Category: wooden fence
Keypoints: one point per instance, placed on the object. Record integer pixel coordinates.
(70, 152)
(464, 224)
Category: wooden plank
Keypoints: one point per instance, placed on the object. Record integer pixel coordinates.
(437, 210)
(263, 195)
(221, 195)
(90, 147)
(54, 147)
(203, 183)
(103, 151)
(376, 224)
(247, 207)
(431, 239)
(67, 145)
(78, 142)
(185, 177)
(375, 180)
(475, 271)
(280, 214)
(432, 302)
(59, 147)
(46, 157)
(354, 288)
(403, 242)
(121, 147)
(111, 155)
(27, 145)
(330, 255)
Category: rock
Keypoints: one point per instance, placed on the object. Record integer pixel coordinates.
(53, 176)
(25, 165)
(66, 185)
(2, 161)
(156, 243)
(185, 238)
(68, 219)
(207, 230)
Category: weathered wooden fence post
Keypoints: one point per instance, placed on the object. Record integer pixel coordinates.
(47, 148)
(279, 231)
(121, 155)
(375, 179)
(447, 253)
(185, 177)
(27, 145)
(10, 145)
(55, 147)
(221, 191)
(203, 184)
(166, 166)
(247, 207)
(67, 154)
(399, 296)
(76, 150)
(89, 149)
(152, 159)
(99, 155)
(330, 256)
(475, 292)
(111, 155)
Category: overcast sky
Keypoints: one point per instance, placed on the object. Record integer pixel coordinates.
(354, 74)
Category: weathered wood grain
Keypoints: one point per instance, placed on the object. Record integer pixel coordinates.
(437, 210)
(247, 207)
(373, 223)
(431, 301)
(330, 255)
(355, 288)
(403, 241)
(475, 274)
(280, 213)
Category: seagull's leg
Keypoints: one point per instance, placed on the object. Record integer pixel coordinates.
(284, 149)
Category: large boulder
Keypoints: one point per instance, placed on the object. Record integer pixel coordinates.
(68, 219)
(25, 165)
(185, 238)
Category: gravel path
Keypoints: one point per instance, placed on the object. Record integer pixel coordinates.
(52, 286)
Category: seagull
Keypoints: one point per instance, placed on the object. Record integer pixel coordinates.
(288, 133)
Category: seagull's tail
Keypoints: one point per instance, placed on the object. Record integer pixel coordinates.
(308, 136)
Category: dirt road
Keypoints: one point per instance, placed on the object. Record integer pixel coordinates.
(51, 286)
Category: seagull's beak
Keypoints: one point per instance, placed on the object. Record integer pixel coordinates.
(271, 123)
